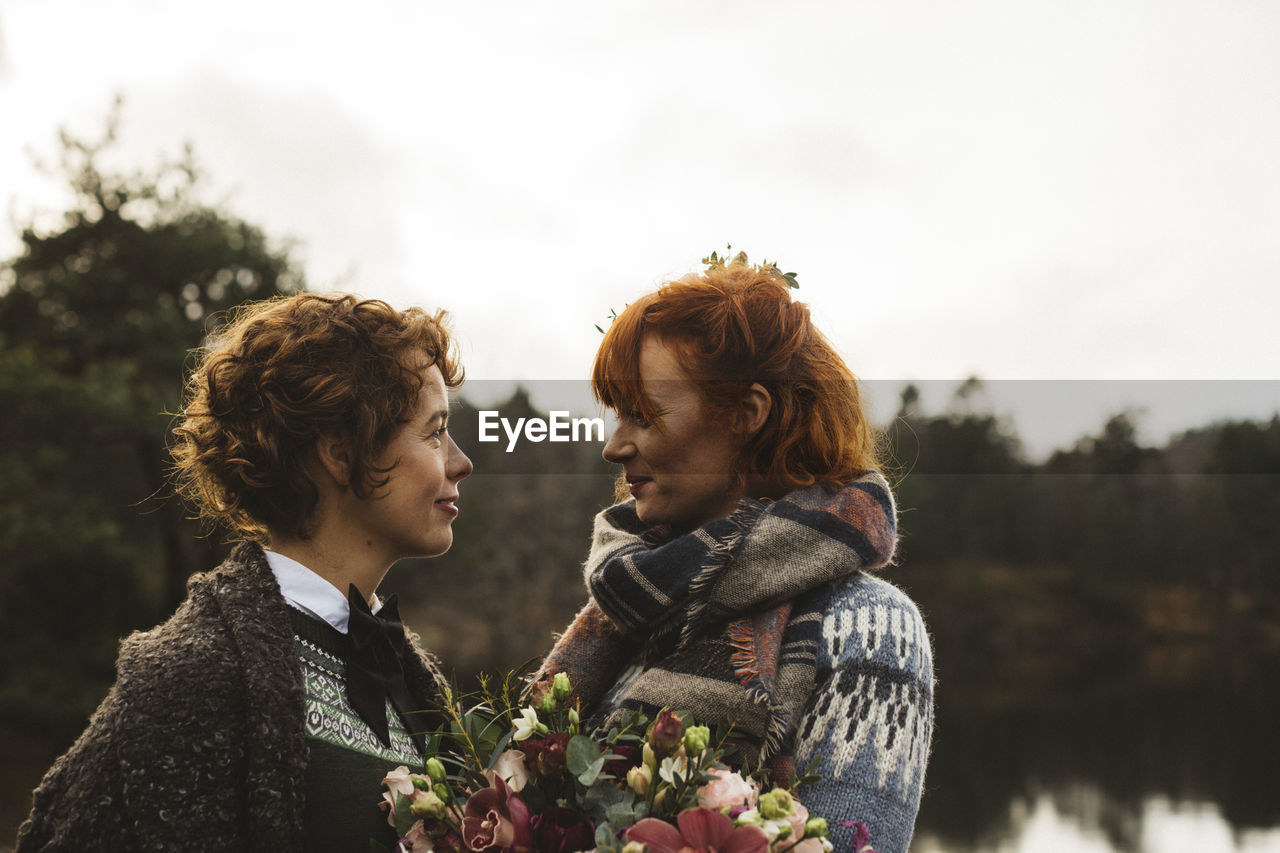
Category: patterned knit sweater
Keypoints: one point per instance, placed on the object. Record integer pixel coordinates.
(870, 720)
(202, 742)
(770, 618)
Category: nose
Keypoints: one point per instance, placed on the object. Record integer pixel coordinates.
(619, 448)
(460, 466)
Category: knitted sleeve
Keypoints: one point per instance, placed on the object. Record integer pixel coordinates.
(870, 720)
(159, 767)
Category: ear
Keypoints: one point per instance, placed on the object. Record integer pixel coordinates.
(753, 410)
(335, 458)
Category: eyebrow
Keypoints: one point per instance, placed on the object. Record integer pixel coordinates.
(443, 414)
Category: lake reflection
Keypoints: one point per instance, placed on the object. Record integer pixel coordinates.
(1122, 756)
(1163, 827)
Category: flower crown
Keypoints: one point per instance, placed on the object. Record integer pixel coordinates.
(715, 262)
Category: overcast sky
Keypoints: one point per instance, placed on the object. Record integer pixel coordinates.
(1014, 190)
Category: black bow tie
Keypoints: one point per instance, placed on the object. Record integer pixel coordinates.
(375, 672)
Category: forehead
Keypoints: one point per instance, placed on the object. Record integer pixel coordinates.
(659, 362)
(662, 376)
(433, 392)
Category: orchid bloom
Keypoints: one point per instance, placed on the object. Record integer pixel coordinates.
(496, 817)
(699, 829)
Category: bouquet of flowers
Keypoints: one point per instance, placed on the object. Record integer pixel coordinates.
(502, 781)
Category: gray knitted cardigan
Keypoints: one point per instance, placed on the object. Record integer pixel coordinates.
(200, 744)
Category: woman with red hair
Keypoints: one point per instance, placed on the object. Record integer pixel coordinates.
(735, 580)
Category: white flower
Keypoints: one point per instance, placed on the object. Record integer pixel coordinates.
(673, 768)
(511, 767)
(526, 725)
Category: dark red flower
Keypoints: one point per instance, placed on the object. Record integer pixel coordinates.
(546, 756)
(497, 819)
(629, 755)
(561, 830)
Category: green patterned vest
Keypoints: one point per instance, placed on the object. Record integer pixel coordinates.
(347, 761)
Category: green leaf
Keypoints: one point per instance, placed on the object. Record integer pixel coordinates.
(404, 817)
(590, 774)
(606, 837)
(498, 749)
(581, 753)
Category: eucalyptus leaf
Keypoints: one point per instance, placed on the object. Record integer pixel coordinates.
(588, 776)
(582, 751)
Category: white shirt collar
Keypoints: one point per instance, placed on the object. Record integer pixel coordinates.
(305, 590)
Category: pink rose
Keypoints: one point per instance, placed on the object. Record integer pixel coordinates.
(798, 817)
(728, 790)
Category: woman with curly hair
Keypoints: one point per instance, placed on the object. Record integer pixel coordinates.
(265, 712)
(735, 580)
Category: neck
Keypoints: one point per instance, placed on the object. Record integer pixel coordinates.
(336, 560)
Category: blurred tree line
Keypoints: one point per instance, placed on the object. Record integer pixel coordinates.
(1094, 564)
(97, 314)
(1106, 543)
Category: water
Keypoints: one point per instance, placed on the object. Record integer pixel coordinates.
(1140, 758)
(1161, 826)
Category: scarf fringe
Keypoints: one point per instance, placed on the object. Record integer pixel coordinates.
(745, 662)
(718, 557)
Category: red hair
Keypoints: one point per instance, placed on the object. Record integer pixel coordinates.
(733, 326)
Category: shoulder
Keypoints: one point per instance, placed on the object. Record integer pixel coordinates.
(229, 613)
(869, 621)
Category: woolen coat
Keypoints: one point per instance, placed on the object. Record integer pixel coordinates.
(201, 744)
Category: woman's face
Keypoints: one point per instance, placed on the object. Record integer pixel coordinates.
(680, 471)
(412, 515)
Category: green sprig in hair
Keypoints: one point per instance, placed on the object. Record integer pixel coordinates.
(714, 261)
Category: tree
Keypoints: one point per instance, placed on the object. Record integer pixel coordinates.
(97, 317)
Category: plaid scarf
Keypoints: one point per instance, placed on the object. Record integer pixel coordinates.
(724, 621)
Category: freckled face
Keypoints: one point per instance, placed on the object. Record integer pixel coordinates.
(412, 515)
(681, 469)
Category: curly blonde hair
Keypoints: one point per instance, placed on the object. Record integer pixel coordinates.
(281, 374)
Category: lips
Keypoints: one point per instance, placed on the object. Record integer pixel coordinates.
(637, 484)
(447, 504)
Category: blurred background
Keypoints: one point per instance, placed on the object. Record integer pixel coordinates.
(1043, 234)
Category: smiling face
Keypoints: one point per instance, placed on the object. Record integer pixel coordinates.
(412, 514)
(681, 469)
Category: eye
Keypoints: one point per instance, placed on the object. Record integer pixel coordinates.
(638, 419)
